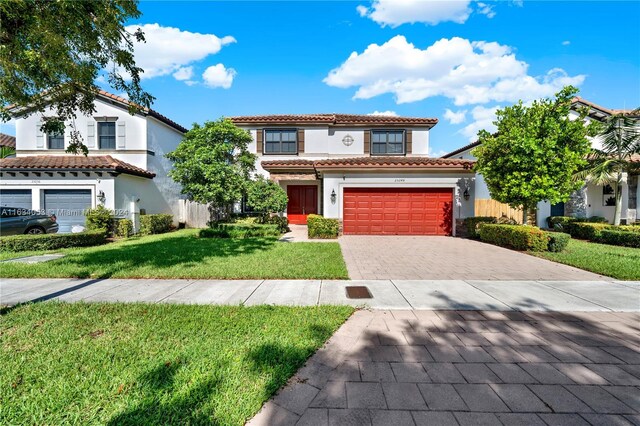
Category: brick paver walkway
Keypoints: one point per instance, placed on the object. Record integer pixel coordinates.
(446, 258)
(468, 368)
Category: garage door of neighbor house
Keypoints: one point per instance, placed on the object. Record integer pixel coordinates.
(68, 205)
(18, 198)
(396, 211)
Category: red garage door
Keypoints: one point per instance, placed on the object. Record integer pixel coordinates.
(394, 211)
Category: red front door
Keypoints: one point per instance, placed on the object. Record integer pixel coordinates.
(397, 211)
(303, 201)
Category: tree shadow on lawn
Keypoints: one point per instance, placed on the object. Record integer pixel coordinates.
(180, 407)
(184, 251)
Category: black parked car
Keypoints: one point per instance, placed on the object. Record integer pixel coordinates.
(14, 221)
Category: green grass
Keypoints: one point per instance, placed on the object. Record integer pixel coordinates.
(121, 364)
(182, 255)
(622, 263)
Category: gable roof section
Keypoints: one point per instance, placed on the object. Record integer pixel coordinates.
(369, 163)
(101, 163)
(333, 120)
(7, 140)
(461, 150)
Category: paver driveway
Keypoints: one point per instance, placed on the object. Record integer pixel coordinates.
(446, 258)
(469, 368)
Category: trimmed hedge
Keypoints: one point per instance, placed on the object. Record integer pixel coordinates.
(280, 221)
(322, 227)
(52, 241)
(619, 238)
(472, 225)
(560, 223)
(518, 237)
(155, 223)
(558, 241)
(586, 231)
(240, 231)
(124, 228)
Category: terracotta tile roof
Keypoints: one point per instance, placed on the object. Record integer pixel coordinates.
(333, 120)
(72, 162)
(148, 111)
(635, 158)
(7, 140)
(608, 111)
(371, 162)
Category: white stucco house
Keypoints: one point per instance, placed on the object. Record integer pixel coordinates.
(126, 169)
(591, 200)
(373, 173)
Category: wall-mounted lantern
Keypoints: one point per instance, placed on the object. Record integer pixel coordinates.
(333, 196)
(465, 194)
(101, 197)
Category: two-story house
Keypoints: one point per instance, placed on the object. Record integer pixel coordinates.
(371, 172)
(126, 169)
(591, 200)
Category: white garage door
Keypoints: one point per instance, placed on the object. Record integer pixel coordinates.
(68, 205)
(18, 198)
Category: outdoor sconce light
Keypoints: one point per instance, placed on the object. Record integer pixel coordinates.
(101, 197)
(465, 194)
(333, 196)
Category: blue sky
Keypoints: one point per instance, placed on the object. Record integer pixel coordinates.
(416, 58)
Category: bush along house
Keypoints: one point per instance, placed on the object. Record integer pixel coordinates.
(125, 170)
(373, 173)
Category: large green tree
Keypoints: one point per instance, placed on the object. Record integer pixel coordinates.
(620, 139)
(51, 53)
(266, 196)
(213, 165)
(535, 152)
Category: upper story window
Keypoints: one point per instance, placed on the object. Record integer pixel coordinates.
(280, 141)
(387, 142)
(106, 135)
(55, 141)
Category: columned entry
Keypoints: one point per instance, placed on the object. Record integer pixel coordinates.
(303, 201)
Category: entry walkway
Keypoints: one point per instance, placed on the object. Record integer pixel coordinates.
(387, 294)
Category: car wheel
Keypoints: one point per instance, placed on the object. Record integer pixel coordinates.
(36, 230)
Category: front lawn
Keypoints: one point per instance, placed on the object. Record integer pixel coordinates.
(182, 255)
(622, 263)
(152, 364)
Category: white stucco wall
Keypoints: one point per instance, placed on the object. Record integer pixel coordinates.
(28, 135)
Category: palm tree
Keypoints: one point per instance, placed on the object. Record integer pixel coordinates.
(620, 137)
(7, 151)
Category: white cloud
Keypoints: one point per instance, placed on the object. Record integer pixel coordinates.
(184, 73)
(486, 9)
(566, 43)
(455, 117)
(190, 82)
(430, 12)
(384, 113)
(483, 118)
(436, 153)
(168, 49)
(219, 76)
(469, 72)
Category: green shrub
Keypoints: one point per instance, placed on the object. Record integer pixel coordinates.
(519, 237)
(124, 228)
(473, 223)
(626, 228)
(100, 218)
(586, 231)
(558, 241)
(595, 219)
(240, 231)
(504, 220)
(280, 221)
(560, 223)
(155, 223)
(266, 196)
(321, 227)
(52, 241)
(619, 238)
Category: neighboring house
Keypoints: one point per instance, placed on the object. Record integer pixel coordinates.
(371, 172)
(126, 169)
(591, 200)
(7, 146)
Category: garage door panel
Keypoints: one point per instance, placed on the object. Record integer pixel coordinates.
(69, 205)
(16, 198)
(396, 211)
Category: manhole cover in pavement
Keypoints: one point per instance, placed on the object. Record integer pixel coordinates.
(358, 292)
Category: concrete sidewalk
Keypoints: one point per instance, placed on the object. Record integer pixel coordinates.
(387, 294)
